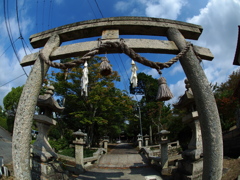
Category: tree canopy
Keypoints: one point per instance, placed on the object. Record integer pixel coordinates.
(110, 111)
(10, 102)
(227, 103)
(155, 115)
(103, 111)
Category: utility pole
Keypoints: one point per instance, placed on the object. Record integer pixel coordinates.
(140, 119)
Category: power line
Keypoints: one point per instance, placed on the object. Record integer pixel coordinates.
(91, 9)
(49, 14)
(124, 81)
(52, 13)
(12, 80)
(27, 45)
(99, 8)
(43, 15)
(19, 29)
(8, 47)
(118, 54)
(8, 27)
(37, 16)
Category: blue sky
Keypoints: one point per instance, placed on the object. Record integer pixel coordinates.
(219, 19)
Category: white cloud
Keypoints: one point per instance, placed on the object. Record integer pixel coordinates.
(122, 5)
(152, 72)
(220, 20)
(164, 9)
(177, 68)
(58, 1)
(152, 8)
(9, 71)
(177, 90)
(9, 65)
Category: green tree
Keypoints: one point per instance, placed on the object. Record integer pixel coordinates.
(104, 109)
(3, 118)
(154, 113)
(10, 102)
(2, 112)
(147, 86)
(226, 101)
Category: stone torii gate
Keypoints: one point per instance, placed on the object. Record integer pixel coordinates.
(109, 29)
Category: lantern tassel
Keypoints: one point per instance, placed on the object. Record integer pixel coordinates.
(84, 80)
(134, 79)
(164, 93)
(105, 67)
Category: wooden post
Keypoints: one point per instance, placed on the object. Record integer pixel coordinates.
(25, 112)
(207, 109)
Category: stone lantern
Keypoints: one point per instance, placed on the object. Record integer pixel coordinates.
(47, 105)
(146, 137)
(80, 140)
(139, 136)
(164, 136)
(192, 163)
(164, 148)
(105, 142)
(43, 154)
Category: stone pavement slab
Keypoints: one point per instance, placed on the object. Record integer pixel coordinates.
(123, 148)
(122, 156)
(143, 173)
(122, 160)
(122, 163)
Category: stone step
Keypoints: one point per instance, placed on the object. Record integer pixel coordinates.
(122, 161)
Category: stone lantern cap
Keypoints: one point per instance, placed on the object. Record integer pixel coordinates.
(139, 137)
(187, 100)
(146, 136)
(105, 137)
(80, 137)
(164, 132)
(79, 133)
(47, 101)
(163, 135)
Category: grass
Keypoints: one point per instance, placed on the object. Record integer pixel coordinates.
(68, 152)
(71, 152)
(3, 123)
(88, 152)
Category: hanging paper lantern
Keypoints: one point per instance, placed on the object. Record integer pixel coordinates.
(84, 80)
(105, 67)
(134, 79)
(164, 93)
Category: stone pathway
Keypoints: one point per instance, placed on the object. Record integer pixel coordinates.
(123, 148)
(144, 173)
(123, 163)
(5, 146)
(123, 156)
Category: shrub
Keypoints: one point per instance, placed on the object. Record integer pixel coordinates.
(88, 152)
(68, 152)
(3, 123)
(59, 144)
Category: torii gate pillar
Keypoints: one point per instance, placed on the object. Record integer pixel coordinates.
(207, 109)
(25, 112)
